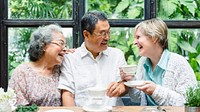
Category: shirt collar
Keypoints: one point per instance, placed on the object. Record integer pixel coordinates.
(164, 59)
(162, 62)
(85, 52)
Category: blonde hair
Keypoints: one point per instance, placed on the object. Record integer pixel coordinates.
(155, 28)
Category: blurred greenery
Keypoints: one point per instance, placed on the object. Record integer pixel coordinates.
(182, 41)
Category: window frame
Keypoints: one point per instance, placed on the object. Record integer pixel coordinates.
(78, 11)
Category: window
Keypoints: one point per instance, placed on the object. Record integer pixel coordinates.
(18, 18)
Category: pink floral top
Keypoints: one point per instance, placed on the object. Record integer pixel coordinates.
(34, 88)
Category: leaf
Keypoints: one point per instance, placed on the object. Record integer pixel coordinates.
(198, 61)
(121, 6)
(186, 46)
(134, 12)
(172, 40)
(190, 5)
(168, 6)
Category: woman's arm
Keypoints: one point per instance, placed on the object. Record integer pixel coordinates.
(67, 98)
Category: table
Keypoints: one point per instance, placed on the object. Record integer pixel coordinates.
(118, 108)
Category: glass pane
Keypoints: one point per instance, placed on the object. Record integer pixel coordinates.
(118, 9)
(122, 38)
(185, 42)
(40, 9)
(178, 9)
(18, 42)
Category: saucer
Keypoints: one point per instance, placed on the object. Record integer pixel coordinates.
(134, 83)
(97, 108)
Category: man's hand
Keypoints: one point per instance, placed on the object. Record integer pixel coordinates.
(116, 89)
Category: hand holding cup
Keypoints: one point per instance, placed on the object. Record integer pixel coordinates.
(127, 72)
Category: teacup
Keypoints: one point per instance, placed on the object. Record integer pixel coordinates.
(129, 69)
(97, 92)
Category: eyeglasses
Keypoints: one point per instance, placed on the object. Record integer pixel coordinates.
(102, 34)
(59, 43)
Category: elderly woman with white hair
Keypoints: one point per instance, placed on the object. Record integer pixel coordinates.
(36, 82)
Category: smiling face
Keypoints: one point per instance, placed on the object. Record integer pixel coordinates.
(98, 40)
(54, 52)
(145, 44)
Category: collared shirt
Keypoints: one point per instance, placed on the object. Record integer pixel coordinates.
(156, 76)
(80, 71)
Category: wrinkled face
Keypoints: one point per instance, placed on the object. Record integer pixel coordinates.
(56, 49)
(98, 40)
(145, 44)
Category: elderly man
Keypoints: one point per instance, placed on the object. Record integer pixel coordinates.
(92, 64)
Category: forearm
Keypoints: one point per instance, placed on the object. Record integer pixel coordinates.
(166, 97)
(67, 98)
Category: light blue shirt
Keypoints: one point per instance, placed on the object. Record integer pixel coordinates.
(156, 75)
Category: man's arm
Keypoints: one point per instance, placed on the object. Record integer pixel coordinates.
(67, 98)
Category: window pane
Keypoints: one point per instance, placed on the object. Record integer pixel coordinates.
(40, 9)
(178, 9)
(185, 42)
(122, 38)
(118, 9)
(18, 43)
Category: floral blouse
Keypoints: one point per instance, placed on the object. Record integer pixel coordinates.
(33, 88)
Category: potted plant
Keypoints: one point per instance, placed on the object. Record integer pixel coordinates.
(193, 99)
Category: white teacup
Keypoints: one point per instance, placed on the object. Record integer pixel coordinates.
(129, 69)
(97, 92)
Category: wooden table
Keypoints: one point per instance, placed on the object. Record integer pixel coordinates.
(119, 108)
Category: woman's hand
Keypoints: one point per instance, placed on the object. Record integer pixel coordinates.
(149, 87)
(72, 50)
(125, 76)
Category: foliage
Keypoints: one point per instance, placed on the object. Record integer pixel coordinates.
(118, 8)
(30, 108)
(125, 44)
(178, 9)
(18, 53)
(188, 44)
(183, 42)
(193, 97)
(40, 9)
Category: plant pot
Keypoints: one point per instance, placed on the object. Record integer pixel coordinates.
(192, 109)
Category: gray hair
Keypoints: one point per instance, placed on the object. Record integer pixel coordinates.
(40, 38)
(155, 28)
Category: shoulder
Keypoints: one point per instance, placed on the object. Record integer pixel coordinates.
(179, 64)
(177, 59)
(22, 69)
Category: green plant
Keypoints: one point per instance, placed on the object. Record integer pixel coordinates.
(31, 108)
(187, 43)
(193, 97)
